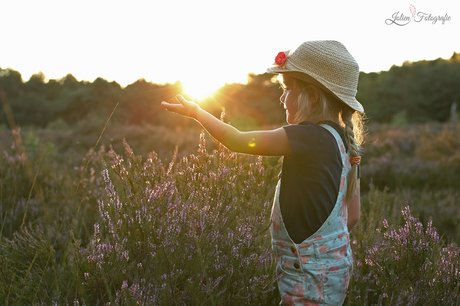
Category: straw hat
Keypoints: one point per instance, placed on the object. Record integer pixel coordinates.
(326, 64)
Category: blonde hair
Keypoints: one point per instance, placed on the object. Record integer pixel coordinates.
(329, 107)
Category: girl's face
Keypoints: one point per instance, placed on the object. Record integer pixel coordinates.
(289, 97)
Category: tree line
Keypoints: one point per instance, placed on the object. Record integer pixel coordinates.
(420, 91)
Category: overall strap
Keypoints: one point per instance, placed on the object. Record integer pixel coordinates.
(343, 152)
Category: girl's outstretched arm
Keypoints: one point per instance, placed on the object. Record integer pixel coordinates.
(269, 142)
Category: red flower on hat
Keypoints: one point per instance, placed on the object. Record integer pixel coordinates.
(281, 58)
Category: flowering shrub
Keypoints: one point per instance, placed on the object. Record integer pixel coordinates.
(26, 267)
(402, 265)
(125, 230)
(412, 157)
(191, 233)
(419, 163)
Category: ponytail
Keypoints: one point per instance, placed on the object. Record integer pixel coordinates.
(354, 135)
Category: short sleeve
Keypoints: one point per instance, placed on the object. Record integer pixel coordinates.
(303, 138)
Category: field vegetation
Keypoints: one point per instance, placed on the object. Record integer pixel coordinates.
(122, 204)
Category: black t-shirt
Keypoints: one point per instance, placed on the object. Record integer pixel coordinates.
(310, 178)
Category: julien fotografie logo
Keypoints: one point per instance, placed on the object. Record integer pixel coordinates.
(398, 18)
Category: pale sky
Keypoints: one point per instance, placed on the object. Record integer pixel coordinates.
(209, 41)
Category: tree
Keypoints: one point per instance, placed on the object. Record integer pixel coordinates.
(11, 82)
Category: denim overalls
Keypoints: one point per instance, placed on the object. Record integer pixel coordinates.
(316, 271)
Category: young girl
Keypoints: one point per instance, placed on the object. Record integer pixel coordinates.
(317, 199)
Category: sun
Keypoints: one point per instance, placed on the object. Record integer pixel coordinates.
(198, 88)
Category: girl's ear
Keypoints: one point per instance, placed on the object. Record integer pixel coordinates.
(314, 94)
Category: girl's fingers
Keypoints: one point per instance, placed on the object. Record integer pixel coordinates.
(181, 99)
(184, 107)
(165, 104)
(172, 107)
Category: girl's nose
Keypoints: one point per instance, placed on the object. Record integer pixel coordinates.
(282, 98)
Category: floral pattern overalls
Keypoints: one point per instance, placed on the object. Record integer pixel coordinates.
(316, 271)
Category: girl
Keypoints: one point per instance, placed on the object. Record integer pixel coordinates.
(317, 199)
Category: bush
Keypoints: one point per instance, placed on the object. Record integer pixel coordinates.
(116, 229)
(401, 265)
(195, 232)
(27, 268)
(414, 157)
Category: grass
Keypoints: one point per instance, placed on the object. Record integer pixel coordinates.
(93, 225)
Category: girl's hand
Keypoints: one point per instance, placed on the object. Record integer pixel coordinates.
(185, 108)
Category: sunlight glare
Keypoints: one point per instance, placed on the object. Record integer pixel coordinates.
(199, 88)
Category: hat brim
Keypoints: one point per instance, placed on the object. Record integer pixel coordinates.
(314, 80)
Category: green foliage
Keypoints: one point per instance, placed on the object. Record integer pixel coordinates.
(11, 82)
(27, 268)
(421, 164)
(414, 156)
(417, 92)
(75, 230)
(400, 118)
(193, 229)
(58, 124)
(142, 103)
(425, 90)
(33, 147)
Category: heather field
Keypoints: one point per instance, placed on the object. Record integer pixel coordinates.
(146, 215)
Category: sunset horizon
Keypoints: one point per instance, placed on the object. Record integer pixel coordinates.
(164, 43)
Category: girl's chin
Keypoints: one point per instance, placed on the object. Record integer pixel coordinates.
(289, 119)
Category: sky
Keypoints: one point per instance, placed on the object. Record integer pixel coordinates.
(206, 44)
